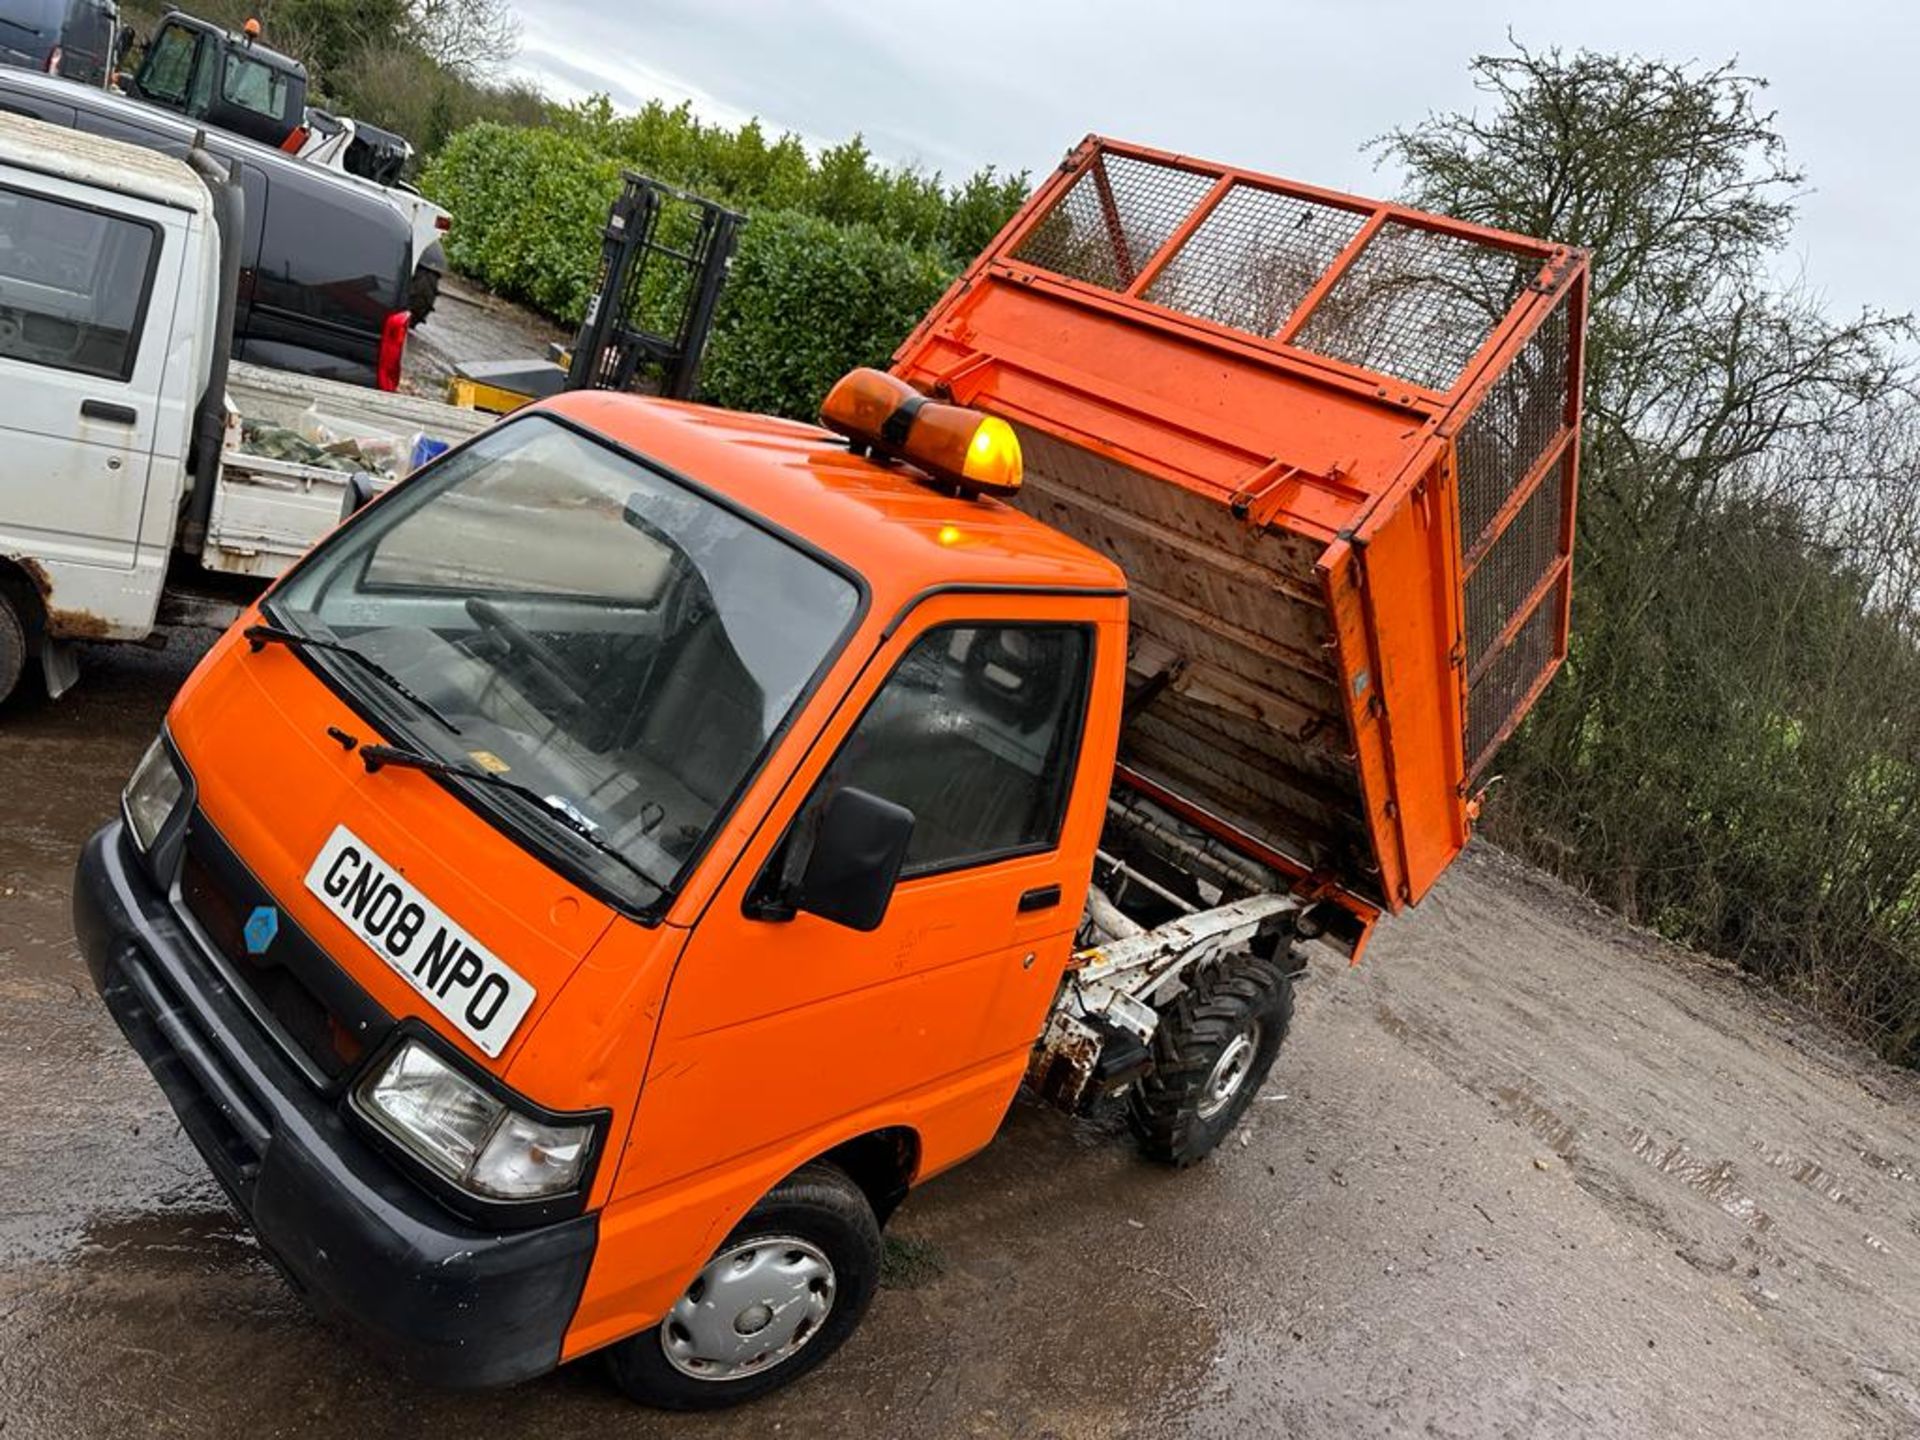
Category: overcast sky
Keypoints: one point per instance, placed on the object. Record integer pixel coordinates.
(1291, 86)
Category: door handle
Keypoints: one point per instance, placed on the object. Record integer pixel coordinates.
(107, 410)
(1043, 897)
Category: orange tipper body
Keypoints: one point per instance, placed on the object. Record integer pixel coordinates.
(578, 901)
(1334, 443)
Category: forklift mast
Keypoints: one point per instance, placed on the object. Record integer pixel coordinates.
(663, 262)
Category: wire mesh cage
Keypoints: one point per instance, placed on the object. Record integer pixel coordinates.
(1333, 442)
(1383, 292)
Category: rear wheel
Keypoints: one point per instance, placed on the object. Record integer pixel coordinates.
(13, 646)
(779, 1296)
(422, 293)
(1211, 1053)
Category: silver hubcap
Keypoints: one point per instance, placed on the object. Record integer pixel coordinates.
(754, 1306)
(1230, 1071)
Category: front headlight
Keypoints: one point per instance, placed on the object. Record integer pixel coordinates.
(465, 1135)
(151, 794)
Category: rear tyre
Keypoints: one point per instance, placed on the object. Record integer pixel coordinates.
(422, 293)
(1211, 1054)
(13, 646)
(780, 1295)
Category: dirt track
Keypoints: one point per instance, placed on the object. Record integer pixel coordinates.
(1524, 1173)
(469, 324)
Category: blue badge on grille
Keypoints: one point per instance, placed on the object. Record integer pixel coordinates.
(262, 925)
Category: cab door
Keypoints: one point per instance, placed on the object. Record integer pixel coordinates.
(87, 299)
(975, 715)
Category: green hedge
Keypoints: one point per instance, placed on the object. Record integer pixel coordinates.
(528, 207)
(808, 301)
(837, 261)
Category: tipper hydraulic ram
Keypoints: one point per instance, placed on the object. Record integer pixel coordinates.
(1334, 445)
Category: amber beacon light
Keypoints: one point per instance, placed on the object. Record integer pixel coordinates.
(976, 453)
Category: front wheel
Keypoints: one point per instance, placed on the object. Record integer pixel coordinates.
(780, 1295)
(1211, 1053)
(13, 646)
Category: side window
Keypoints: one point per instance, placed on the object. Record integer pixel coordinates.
(169, 65)
(73, 284)
(976, 733)
(254, 86)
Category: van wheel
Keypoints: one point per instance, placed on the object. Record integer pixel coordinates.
(779, 1296)
(1211, 1054)
(13, 646)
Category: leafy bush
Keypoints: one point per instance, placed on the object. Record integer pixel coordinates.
(838, 260)
(845, 185)
(808, 301)
(529, 206)
(1732, 754)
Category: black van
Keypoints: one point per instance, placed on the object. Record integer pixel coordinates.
(325, 262)
(73, 39)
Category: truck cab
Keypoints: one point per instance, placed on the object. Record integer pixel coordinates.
(767, 753)
(109, 291)
(226, 78)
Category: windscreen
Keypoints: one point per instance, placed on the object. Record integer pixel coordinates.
(617, 645)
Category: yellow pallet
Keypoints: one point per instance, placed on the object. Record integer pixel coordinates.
(478, 395)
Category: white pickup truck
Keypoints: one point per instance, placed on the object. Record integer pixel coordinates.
(122, 471)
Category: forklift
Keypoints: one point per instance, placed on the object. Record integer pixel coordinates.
(664, 258)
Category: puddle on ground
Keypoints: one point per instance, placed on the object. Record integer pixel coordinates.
(1715, 1179)
(192, 1231)
(1810, 1173)
(1886, 1167)
(1522, 1104)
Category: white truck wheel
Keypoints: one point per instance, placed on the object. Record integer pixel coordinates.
(13, 645)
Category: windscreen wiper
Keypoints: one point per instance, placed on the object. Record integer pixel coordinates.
(263, 635)
(378, 757)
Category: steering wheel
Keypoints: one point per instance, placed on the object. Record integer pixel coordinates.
(544, 663)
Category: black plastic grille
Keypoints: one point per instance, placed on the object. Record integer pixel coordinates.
(1515, 564)
(315, 1010)
(1251, 262)
(1522, 414)
(1113, 219)
(1498, 695)
(1417, 304)
(300, 1014)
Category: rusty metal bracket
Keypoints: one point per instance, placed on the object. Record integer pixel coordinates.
(1120, 985)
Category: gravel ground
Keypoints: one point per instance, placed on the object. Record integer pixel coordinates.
(467, 324)
(1524, 1173)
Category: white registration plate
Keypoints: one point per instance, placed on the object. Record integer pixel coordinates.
(480, 994)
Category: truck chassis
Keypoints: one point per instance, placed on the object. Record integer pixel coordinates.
(1166, 902)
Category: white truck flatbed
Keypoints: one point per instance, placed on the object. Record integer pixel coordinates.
(267, 512)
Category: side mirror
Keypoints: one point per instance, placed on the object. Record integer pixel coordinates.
(856, 859)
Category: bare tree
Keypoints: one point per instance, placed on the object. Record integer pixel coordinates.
(1733, 752)
(474, 38)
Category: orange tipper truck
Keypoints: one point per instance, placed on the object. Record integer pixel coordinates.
(580, 900)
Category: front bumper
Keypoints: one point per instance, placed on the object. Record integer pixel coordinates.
(451, 1304)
